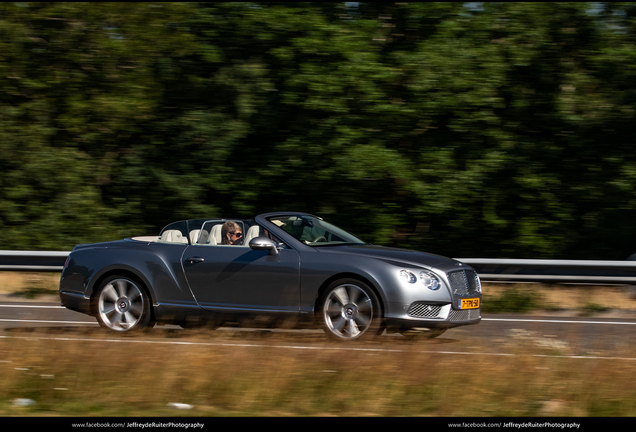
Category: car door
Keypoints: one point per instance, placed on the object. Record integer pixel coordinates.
(237, 278)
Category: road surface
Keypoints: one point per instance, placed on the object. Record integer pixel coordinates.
(497, 334)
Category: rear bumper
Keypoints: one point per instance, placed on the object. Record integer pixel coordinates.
(76, 302)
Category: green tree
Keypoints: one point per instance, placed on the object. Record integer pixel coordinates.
(466, 129)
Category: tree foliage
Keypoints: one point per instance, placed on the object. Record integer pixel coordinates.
(466, 129)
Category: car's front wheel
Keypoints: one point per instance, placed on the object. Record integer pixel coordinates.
(350, 310)
(122, 305)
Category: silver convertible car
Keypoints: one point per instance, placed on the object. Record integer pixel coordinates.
(285, 267)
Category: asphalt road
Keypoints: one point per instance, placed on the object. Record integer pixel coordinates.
(497, 334)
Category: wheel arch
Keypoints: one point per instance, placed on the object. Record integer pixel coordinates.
(143, 284)
(349, 275)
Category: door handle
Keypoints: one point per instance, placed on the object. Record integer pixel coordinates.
(195, 259)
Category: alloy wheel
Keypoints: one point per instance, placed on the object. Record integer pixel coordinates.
(348, 311)
(122, 305)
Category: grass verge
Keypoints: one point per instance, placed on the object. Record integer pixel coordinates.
(579, 300)
(30, 286)
(92, 378)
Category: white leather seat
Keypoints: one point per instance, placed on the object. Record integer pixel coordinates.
(211, 240)
(203, 237)
(215, 235)
(194, 236)
(251, 233)
(173, 236)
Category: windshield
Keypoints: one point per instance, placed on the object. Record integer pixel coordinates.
(313, 231)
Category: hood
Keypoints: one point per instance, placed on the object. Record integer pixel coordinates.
(393, 255)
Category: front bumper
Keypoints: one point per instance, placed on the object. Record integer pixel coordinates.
(429, 315)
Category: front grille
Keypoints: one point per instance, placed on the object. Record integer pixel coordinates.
(464, 315)
(424, 310)
(464, 283)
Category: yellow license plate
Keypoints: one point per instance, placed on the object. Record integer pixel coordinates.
(469, 303)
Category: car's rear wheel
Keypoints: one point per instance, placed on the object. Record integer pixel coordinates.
(350, 310)
(122, 305)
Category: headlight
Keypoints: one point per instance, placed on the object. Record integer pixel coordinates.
(430, 281)
(407, 276)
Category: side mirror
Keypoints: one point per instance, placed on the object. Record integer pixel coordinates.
(264, 243)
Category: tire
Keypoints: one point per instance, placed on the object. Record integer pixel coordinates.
(122, 305)
(350, 310)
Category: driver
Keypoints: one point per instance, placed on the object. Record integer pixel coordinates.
(231, 233)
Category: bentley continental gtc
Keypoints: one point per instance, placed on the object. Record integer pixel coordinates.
(285, 266)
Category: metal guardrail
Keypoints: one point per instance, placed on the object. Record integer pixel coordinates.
(490, 270)
(554, 271)
(33, 261)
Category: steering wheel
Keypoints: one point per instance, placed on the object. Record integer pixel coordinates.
(320, 239)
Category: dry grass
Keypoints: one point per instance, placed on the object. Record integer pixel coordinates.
(579, 299)
(24, 285)
(119, 379)
(570, 296)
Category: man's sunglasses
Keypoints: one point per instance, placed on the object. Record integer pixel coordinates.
(238, 234)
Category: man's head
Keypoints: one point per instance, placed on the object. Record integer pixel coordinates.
(231, 233)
